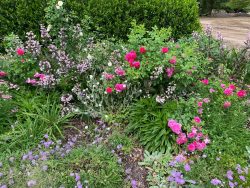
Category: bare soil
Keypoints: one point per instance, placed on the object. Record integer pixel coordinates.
(233, 29)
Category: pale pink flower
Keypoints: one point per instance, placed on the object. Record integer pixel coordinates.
(182, 139)
(211, 90)
(31, 81)
(108, 76)
(206, 100)
(173, 60)
(170, 71)
(223, 86)
(120, 71)
(201, 146)
(227, 104)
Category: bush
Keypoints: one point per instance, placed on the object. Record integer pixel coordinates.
(113, 18)
(21, 16)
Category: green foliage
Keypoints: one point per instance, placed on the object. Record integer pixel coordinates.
(156, 164)
(96, 166)
(148, 121)
(20, 16)
(37, 114)
(239, 5)
(113, 18)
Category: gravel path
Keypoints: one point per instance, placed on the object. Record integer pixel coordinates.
(233, 29)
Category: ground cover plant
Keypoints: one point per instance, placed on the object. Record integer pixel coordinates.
(155, 110)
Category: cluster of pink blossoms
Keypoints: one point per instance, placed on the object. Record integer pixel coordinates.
(197, 140)
(118, 87)
(200, 104)
(130, 57)
(39, 76)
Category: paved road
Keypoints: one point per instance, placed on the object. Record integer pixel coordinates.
(233, 29)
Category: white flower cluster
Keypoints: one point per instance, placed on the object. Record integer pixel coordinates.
(169, 94)
(156, 73)
(59, 4)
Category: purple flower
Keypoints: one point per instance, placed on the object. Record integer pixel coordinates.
(238, 168)
(134, 183)
(242, 178)
(79, 184)
(231, 184)
(1, 164)
(179, 180)
(128, 171)
(187, 167)
(1, 174)
(230, 175)
(119, 147)
(77, 177)
(31, 183)
(180, 158)
(3, 186)
(215, 182)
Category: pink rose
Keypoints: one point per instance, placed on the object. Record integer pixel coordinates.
(231, 86)
(136, 64)
(109, 90)
(205, 81)
(242, 93)
(201, 146)
(228, 91)
(174, 126)
(200, 104)
(173, 60)
(108, 76)
(206, 100)
(120, 87)
(20, 51)
(197, 120)
(191, 147)
(164, 50)
(143, 50)
(3, 74)
(191, 135)
(182, 139)
(223, 86)
(120, 72)
(170, 71)
(227, 104)
(131, 56)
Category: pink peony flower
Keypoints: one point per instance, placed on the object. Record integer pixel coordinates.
(120, 87)
(20, 51)
(197, 120)
(174, 126)
(131, 56)
(200, 146)
(211, 90)
(136, 64)
(191, 147)
(173, 60)
(227, 104)
(205, 81)
(242, 93)
(31, 81)
(231, 86)
(194, 130)
(109, 90)
(164, 50)
(143, 50)
(182, 139)
(108, 76)
(120, 72)
(200, 104)
(170, 71)
(228, 91)
(3, 74)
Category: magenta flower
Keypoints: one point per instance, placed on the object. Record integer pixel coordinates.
(205, 81)
(120, 87)
(242, 93)
(20, 51)
(191, 147)
(227, 104)
(2, 74)
(174, 126)
(120, 72)
(164, 50)
(131, 56)
(197, 120)
(136, 64)
(182, 139)
(228, 91)
(173, 60)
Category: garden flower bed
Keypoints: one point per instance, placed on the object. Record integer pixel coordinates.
(80, 111)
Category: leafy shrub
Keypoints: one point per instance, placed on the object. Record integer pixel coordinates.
(20, 16)
(150, 125)
(113, 18)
